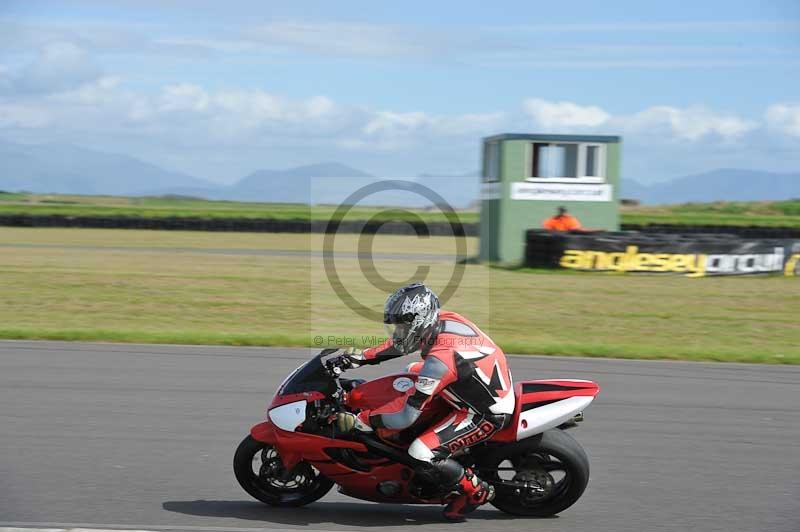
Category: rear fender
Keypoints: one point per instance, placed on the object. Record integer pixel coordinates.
(545, 404)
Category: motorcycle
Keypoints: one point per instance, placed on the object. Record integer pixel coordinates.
(297, 454)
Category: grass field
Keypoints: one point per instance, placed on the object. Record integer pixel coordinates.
(267, 289)
(769, 214)
(760, 213)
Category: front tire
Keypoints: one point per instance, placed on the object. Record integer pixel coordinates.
(259, 470)
(537, 480)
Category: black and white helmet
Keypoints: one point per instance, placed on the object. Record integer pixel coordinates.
(411, 315)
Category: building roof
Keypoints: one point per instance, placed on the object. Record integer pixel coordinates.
(555, 138)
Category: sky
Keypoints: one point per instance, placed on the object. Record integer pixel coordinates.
(221, 89)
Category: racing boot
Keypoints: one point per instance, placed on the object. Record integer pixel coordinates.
(471, 492)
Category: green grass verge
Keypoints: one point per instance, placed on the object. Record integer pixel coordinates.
(160, 337)
(131, 286)
(758, 213)
(278, 340)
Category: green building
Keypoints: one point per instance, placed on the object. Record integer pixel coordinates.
(526, 177)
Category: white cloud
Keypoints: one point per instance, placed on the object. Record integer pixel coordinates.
(687, 124)
(23, 116)
(235, 46)
(507, 46)
(557, 116)
(184, 117)
(391, 131)
(670, 123)
(188, 113)
(58, 66)
(471, 124)
(184, 97)
(96, 92)
(245, 111)
(343, 39)
(391, 123)
(784, 118)
(683, 26)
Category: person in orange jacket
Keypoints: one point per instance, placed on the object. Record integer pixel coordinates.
(563, 221)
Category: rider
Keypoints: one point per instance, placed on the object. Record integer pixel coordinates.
(459, 363)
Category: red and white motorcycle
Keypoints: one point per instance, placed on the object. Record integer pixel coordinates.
(297, 455)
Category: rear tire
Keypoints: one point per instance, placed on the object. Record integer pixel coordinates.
(556, 451)
(269, 488)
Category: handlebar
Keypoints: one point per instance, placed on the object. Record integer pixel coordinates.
(338, 365)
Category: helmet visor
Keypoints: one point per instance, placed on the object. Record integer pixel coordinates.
(399, 333)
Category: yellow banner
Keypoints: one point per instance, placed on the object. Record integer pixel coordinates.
(690, 264)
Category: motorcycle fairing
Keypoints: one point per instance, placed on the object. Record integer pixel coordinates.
(545, 404)
(296, 446)
(319, 451)
(288, 416)
(383, 395)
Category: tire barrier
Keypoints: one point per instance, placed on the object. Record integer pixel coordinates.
(689, 254)
(246, 225)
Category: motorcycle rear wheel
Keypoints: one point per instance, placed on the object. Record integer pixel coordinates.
(268, 482)
(554, 471)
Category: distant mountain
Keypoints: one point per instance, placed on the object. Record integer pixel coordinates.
(69, 169)
(460, 190)
(334, 182)
(303, 184)
(630, 189)
(727, 184)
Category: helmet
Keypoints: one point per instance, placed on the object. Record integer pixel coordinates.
(411, 315)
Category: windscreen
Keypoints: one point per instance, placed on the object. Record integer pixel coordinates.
(310, 377)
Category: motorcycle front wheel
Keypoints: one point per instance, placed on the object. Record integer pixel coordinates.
(259, 470)
(537, 479)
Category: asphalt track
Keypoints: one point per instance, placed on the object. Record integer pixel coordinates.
(141, 437)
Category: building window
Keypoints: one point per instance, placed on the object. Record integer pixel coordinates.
(491, 162)
(554, 160)
(568, 161)
(592, 160)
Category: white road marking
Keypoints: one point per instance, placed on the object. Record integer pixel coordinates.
(13, 529)
(14, 526)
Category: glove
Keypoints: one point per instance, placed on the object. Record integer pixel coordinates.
(338, 365)
(347, 422)
(347, 358)
(355, 355)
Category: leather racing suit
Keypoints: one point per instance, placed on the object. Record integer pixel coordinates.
(469, 371)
